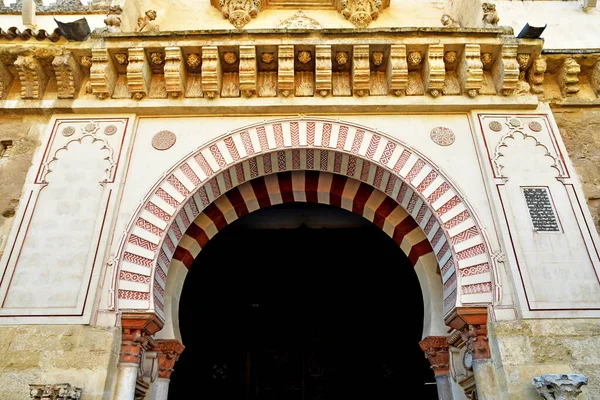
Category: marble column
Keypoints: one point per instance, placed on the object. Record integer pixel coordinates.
(169, 351)
(137, 328)
(436, 349)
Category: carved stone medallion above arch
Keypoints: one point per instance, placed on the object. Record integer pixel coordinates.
(305, 159)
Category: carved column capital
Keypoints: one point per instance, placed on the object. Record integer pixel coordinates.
(471, 322)
(360, 12)
(137, 328)
(559, 386)
(436, 349)
(168, 351)
(238, 12)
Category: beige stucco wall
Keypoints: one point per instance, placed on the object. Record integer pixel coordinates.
(525, 349)
(83, 356)
(580, 130)
(25, 133)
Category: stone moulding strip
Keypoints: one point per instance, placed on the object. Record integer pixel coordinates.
(194, 187)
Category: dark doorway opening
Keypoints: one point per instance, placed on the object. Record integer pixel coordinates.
(301, 302)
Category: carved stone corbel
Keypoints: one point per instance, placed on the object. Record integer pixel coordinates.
(535, 75)
(239, 12)
(436, 349)
(568, 77)
(360, 12)
(361, 71)
(32, 76)
(470, 70)
(103, 74)
(139, 74)
(68, 75)
(434, 70)
(595, 78)
(175, 72)
(506, 70)
(137, 328)
(323, 72)
(6, 80)
(211, 71)
(397, 69)
(285, 74)
(248, 70)
(471, 322)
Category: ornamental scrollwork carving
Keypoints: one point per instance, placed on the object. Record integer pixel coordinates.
(239, 12)
(361, 12)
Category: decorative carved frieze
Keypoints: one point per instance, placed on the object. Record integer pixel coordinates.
(57, 391)
(175, 72)
(248, 70)
(568, 77)
(361, 72)
(323, 70)
(211, 71)
(360, 12)
(285, 74)
(103, 74)
(398, 69)
(434, 70)
(32, 76)
(68, 75)
(239, 12)
(535, 75)
(139, 74)
(6, 80)
(506, 70)
(470, 70)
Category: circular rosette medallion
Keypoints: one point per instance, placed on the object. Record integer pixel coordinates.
(442, 136)
(163, 140)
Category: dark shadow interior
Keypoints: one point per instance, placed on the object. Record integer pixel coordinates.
(301, 302)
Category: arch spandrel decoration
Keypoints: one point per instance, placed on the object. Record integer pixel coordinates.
(192, 189)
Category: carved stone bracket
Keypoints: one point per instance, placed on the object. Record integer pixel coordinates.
(68, 75)
(434, 70)
(471, 322)
(6, 80)
(211, 71)
(57, 391)
(595, 78)
(506, 70)
(137, 328)
(285, 74)
(568, 77)
(559, 386)
(175, 72)
(32, 76)
(535, 75)
(361, 72)
(470, 70)
(168, 354)
(248, 70)
(323, 74)
(398, 69)
(436, 349)
(139, 74)
(103, 74)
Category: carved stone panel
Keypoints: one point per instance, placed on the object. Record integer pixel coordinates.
(267, 84)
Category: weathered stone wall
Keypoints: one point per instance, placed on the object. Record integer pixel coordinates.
(24, 135)
(83, 356)
(528, 348)
(580, 130)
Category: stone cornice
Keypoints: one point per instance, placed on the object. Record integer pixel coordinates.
(433, 69)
